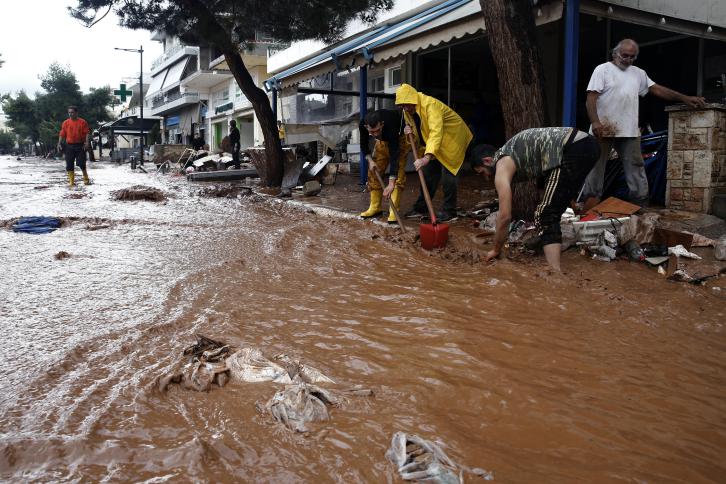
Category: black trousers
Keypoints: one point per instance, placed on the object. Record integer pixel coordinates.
(562, 185)
(434, 173)
(75, 153)
(235, 159)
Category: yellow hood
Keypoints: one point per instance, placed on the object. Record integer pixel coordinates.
(406, 94)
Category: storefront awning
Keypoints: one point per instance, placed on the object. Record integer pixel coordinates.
(432, 26)
(128, 125)
(357, 50)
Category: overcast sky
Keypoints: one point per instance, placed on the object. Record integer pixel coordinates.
(35, 33)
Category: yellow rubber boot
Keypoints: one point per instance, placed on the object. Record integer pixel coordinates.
(71, 178)
(395, 201)
(375, 207)
(86, 180)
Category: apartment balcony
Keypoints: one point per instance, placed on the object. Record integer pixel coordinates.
(202, 80)
(171, 55)
(253, 56)
(167, 103)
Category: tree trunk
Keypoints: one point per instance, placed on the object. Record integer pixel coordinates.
(272, 176)
(216, 35)
(511, 33)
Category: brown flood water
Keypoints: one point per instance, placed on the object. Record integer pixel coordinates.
(605, 374)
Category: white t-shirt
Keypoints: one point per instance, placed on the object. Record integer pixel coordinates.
(619, 89)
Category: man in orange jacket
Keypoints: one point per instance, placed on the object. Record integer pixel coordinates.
(77, 135)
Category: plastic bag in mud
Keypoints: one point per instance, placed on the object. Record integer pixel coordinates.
(719, 251)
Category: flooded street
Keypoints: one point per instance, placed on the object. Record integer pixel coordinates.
(607, 373)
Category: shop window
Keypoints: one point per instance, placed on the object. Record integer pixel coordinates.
(394, 76)
(377, 84)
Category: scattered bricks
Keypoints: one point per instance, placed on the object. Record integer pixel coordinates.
(676, 194)
(703, 119)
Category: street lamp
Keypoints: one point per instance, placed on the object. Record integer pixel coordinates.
(140, 50)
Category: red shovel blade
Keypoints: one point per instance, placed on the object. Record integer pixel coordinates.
(433, 236)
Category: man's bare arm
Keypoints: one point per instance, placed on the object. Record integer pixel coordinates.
(671, 95)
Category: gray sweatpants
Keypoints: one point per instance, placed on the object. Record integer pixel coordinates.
(628, 150)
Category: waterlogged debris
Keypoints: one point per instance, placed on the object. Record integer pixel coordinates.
(139, 192)
(210, 361)
(681, 251)
(420, 460)
(250, 365)
(36, 225)
(62, 255)
(225, 191)
(299, 404)
(206, 366)
(304, 372)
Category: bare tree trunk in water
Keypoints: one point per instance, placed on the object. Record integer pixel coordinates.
(511, 32)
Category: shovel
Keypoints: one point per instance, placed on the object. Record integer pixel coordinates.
(433, 235)
(390, 203)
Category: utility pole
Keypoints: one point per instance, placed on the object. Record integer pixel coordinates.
(140, 50)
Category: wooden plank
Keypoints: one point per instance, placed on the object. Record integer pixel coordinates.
(224, 175)
(613, 208)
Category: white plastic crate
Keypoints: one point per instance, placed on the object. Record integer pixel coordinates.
(586, 232)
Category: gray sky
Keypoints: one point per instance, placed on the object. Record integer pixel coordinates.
(34, 33)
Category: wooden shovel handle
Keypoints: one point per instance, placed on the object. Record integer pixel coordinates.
(390, 202)
(421, 178)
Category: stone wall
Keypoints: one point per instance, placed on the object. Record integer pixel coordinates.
(696, 156)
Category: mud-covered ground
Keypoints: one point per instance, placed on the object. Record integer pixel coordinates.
(607, 372)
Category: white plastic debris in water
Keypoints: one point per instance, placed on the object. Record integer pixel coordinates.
(568, 216)
(681, 251)
(490, 222)
(610, 238)
(719, 251)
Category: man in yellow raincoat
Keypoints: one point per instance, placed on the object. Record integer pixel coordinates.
(446, 136)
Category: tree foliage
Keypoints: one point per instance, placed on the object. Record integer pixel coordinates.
(1, 61)
(39, 119)
(229, 25)
(7, 141)
(22, 115)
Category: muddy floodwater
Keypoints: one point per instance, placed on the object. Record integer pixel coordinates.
(607, 373)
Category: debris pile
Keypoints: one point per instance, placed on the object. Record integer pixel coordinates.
(139, 192)
(420, 460)
(209, 363)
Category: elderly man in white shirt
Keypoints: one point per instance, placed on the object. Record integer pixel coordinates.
(612, 106)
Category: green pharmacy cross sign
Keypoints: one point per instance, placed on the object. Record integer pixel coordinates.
(123, 92)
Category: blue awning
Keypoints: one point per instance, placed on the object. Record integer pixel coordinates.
(358, 49)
